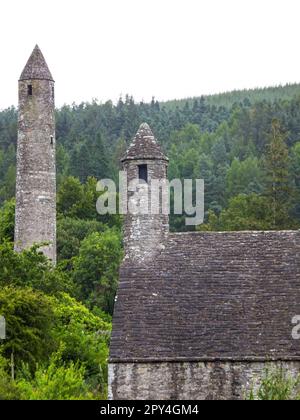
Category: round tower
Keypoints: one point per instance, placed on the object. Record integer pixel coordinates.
(146, 166)
(36, 172)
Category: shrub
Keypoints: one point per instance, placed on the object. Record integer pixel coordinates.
(57, 381)
(277, 385)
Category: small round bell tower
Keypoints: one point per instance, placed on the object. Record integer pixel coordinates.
(145, 164)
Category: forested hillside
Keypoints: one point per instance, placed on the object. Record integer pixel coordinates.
(224, 139)
(227, 99)
(245, 145)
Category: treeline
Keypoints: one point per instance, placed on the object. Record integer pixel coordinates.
(202, 138)
(246, 96)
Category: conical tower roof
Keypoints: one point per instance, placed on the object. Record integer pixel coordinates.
(36, 67)
(144, 146)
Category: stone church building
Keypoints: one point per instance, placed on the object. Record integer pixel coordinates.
(199, 315)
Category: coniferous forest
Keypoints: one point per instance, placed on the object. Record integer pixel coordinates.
(244, 144)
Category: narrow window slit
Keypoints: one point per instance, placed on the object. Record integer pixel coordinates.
(143, 173)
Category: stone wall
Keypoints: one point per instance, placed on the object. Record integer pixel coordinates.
(188, 380)
(144, 234)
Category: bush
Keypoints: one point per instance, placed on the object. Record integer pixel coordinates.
(85, 338)
(8, 388)
(57, 381)
(277, 385)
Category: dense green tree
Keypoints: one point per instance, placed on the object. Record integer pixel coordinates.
(7, 221)
(31, 268)
(37, 324)
(278, 183)
(206, 171)
(244, 177)
(96, 268)
(295, 175)
(70, 234)
(7, 191)
(85, 337)
(29, 322)
(69, 195)
(79, 201)
(62, 163)
(244, 212)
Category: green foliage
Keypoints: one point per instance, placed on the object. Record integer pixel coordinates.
(90, 159)
(223, 138)
(277, 385)
(7, 220)
(32, 269)
(96, 268)
(37, 325)
(245, 97)
(85, 337)
(244, 144)
(278, 182)
(69, 196)
(29, 322)
(62, 163)
(244, 212)
(295, 175)
(9, 184)
(8, 388)
(70, 234)
(76, 200)
(7, 162)
(81, 371)
(54, 381)
(244, 177)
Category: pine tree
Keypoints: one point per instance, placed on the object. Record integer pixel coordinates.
(277, 166)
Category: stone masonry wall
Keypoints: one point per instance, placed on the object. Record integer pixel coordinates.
(144, 235)
(36, 173)
(189, 380)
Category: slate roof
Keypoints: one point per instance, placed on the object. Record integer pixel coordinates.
(211, 296)
(144, 146)
(36, 67)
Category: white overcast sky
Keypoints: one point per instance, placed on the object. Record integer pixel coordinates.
(163, 48)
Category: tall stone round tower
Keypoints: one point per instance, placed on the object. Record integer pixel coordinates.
(36, 172)
(146, 165)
